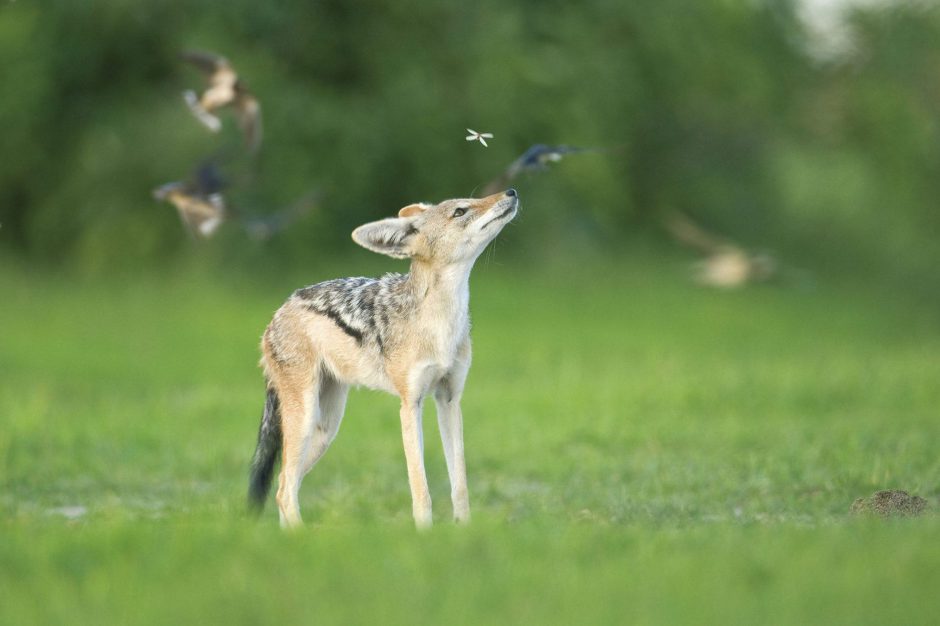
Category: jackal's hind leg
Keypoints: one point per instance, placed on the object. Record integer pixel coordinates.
(298, 408)
(331, 404)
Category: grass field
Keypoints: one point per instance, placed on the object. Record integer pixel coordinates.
(640, 451)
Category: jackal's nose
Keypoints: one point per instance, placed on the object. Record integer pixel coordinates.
(511, 192)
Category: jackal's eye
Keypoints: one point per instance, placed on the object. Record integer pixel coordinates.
(460, 211)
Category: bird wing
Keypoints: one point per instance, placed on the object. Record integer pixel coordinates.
(534, 158)
(208, 226)
(248, 112)
(163, 191)
(263, 228)
(208, 62)
(529, 159)
(203, 216)
(190, 222)
(690, 234)
(512, 170)
(497, 184)
(207, 179)
(217, 202)
(194, 212)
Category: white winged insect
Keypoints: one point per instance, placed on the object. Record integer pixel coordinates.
(481, 137)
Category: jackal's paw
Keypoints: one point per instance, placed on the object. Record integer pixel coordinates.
(291, 522)
(423, 522)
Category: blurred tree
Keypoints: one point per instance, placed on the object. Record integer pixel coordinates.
(714, 108)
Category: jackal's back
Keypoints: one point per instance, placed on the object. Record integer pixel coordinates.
(363, 308)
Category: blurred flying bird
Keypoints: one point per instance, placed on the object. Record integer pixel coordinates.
(202, 207)
(198, 200)
(224, 89)
(725, 265)
(481, 137)
(535, 159)
(262, 228)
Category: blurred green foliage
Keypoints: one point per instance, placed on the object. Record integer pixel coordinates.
(714, 108)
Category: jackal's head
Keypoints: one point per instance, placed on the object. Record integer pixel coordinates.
(453, 231)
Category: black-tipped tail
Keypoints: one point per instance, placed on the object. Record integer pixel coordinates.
(269, 444)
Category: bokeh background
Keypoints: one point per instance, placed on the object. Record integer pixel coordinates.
(774, 123)
(640, 449)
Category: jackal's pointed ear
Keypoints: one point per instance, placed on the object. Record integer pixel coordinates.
(413, 209)
(392, 236)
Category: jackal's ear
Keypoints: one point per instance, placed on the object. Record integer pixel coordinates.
(392, 236)
(413, 209)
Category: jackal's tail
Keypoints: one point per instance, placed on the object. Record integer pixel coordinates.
(269, 444)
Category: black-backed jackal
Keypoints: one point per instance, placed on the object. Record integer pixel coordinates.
(408, 334)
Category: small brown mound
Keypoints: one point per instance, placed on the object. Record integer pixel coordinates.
(891, 503)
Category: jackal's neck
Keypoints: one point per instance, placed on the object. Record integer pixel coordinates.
(445, 290)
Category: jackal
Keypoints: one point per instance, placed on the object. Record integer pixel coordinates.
(408, 334)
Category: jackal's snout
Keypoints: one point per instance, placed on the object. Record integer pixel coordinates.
(500, 201)
(501, 210)
(508, 202)
(511, 199)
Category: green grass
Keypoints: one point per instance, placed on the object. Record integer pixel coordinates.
(639, 451)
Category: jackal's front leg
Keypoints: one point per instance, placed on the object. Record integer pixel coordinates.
(450, 421)
(413, 440)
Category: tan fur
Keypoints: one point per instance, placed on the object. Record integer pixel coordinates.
(412, 209)
(310, 361)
